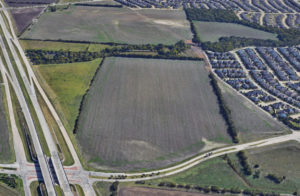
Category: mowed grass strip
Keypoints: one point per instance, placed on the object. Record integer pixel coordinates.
(65, 85)
(147, 113)
(55, 45)
(212, 31)
(119, 25)
(6, 143)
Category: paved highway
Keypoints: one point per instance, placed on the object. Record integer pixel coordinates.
(43, 162)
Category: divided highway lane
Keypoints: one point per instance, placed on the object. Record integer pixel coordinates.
(62, 179)
(36, 143)
(34, 81)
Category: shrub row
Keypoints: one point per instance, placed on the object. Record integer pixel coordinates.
(275, 178)
(98, 5)
(162, 51)
(159, 57)
(213, 189)
(244, 163)
(291, 122)
(224, 110)
(8, 180)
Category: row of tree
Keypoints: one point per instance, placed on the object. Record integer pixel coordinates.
(291, 122)
(224, 110)
(213, 189)
(61, 56)
(9, 180)
(98, 5)
(244, 163)
(275, 178)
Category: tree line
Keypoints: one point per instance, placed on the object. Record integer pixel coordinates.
(161, 52)
(211, 189)
(76, 126)
(244, 163)
(98, 5)
(224, 110)
(291, 122)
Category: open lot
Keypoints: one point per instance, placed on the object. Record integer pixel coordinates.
(6, 147)
(147, 113)
(251, 122)
(24, 17)
(212, 31)
(65, 85)
(121, 25)
(281, 160)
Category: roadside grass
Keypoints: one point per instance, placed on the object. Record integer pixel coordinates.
(59, 191)
(6, 22)
(34, 188)
(65, 84)
(79, 190)
(21, 60)
(56, 134)
(212, 31)
(20, 120)
(7, 154)
(56, 45)
(102, 188)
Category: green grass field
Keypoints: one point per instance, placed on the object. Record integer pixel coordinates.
(212, 172)
(283, 160)
(102, 188)
(66, 84)
(6, 143)
(53, 45)
(120, 25)
(33, 188)
(212, 31)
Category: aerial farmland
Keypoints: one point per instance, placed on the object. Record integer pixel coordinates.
(149, 97)
(127, 93)
(112, 25)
